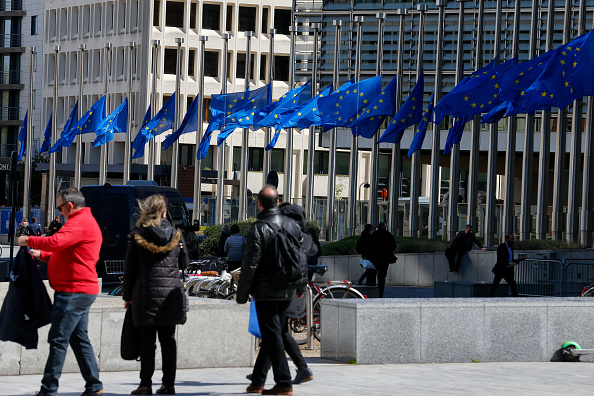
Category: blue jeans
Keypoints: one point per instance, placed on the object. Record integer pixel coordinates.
(70, 322)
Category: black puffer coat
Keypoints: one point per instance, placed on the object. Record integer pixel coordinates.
(258, 267)
(151, 275)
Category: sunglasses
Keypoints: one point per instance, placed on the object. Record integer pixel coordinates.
(60, 207)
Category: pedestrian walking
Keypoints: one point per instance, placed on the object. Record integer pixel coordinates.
(54, 226)
(234, 248)
(504, 268)
(34, 228)
(23, 228)
(370, 274)
(259, 279)
(380, 251)
(460, 245)
(72, 255)
(225, 233)
(153, 290)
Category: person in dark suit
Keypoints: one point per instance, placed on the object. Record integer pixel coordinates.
(380, 251)
(461, 244)
(504, 268)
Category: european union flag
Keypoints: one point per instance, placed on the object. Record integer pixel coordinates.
(339, 107)
(455, 133)
(306, 115)
(161, 122)
(495, 114)
(409, 114)
(566, 77)
(419, 137)
(189, 124)
(88, 123)
(370, 118)
(476, 94)
(47, 136)
(70, 122)
(116, 122)
(270, 115)
(23, 137)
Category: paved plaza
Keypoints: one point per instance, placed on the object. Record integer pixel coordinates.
(343, 379)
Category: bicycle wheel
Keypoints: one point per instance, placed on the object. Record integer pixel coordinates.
(116, 291)
(334, 292)
(231, 296)
(589, 292)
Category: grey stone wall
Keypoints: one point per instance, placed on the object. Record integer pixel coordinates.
(461, 330)
(215, 335)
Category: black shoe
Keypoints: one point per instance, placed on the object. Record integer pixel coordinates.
(303, 376)
(142, 390)
(249, 377)
(166, 390)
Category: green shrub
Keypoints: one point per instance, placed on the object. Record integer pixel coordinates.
(403, 245)
(545, 244)
(340, 248)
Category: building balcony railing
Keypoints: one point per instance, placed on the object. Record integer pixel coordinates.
(10, 77)
(9, 113)
(11, 5)
(10, 40)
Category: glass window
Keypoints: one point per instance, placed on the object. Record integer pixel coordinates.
(240, 71)
(321, 162)
(236, 158)
(255, 159)
(156, 16)
(211, 15)
(247, 19)
(281, 68)
(170, 61)
(282, 21)
(343, 163)
(263, 67)
(174, 17)
(211, 64)
(277, 160)
(192, 63)
(305, 152)
(229, 21)
(33, 25)
(265, 20)
(193, 16)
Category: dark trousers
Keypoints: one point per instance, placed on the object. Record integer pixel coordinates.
(508, 276)
(233, 265)
(454, 261)
(382, 273)
(148, 338)
(292, 349)
(370, 275)
(70, 323)
(272, 318)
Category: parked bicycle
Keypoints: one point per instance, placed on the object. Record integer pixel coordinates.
(209, 284)
(328, 290)
(588, 291)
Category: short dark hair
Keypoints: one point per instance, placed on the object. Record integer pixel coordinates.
(368, 227)
(268, 197)
(73, 196)
(381, 226)
(33, 219)
(509, 236)
(468, 225)
(234, 229)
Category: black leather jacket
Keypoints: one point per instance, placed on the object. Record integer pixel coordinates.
(258, 267)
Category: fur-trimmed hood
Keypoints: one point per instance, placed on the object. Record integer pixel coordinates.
(161, 239)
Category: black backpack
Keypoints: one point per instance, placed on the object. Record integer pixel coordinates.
(291, 268)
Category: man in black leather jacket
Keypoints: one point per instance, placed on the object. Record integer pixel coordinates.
(258, 278)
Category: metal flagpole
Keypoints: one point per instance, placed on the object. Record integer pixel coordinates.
(333, 143)
(510, 152)
(415, 171)
(288, 180)
(103, 158)
(221, 149)
(354, 173)
(528, 157)
(78, 161)
(435, 182)
(198, 168)
(587, 175)
(177, 120)
(476, 127)
(490, 215)
(395, 165)
(150, 175)
(51, 183)
(542, 203)
(312, 130)
(575, 151)
(128, 148)
(268, 131)
(559, 168)
(373, 209)
(244, 140)
(29, 138)
(452, 222)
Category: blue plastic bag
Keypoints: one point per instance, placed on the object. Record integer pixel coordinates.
(253, 326)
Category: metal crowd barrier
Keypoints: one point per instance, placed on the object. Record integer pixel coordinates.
(577, 273)
(539, 277)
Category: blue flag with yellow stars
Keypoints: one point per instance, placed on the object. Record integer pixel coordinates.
(70, 122)
(455, 133)
(87, 124)
(23, 137)
(307, 114)
(495, 114)
(270, 115)
(409, 114)
(189, 124)
(419, 137)
(370, 118)
(476, 94)
(47, 136)
(161, 122)
(116, 122)
(566, 77)
(339, 107)
(145, 120)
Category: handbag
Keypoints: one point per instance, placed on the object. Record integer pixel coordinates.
(130, 342)
(254, 326)
(366, 264)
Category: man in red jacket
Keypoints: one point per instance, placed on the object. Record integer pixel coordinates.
(71, 254)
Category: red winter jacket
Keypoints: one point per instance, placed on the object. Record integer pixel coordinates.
(72, 253)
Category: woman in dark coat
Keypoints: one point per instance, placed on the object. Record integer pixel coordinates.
(153, 290)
